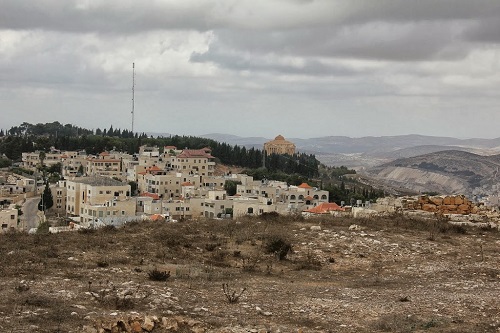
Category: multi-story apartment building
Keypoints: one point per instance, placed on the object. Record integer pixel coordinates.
(109, 211)
(104, 166)
(74, 163)
(257, 206)
(297, 198)
(32, 160)
(8, 219)
(95, 190)
(303, 195)
(217, 204)
(195, 161)
(59, 197)
(175, 209)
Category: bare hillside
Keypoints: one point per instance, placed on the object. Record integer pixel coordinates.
(450, 171)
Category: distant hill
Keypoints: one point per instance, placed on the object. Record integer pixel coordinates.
(416, 151)
(450, 171)
(248, 142)
(369, 151)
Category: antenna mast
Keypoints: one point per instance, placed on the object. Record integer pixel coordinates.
(133, 95)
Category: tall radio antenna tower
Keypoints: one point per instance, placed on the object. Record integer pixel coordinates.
(133, 95)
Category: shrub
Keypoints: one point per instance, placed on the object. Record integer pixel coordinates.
(157, 275)
(270, 216)
(279, 246)
(310, 263)
(210, 247)
(102, 263)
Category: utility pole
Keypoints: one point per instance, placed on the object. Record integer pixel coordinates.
(133, 95)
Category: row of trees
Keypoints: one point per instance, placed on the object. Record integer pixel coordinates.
(350, 194)
(28, 138)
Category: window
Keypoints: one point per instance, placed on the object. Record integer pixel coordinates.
(250, 210)
(12, 217)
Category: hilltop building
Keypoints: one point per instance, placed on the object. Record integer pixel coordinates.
(279, 146)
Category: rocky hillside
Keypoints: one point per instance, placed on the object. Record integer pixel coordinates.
(335, 275)
(444, 172)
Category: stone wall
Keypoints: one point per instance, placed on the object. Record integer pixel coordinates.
(451, 204)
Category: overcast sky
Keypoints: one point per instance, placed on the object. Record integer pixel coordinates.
(300, 68)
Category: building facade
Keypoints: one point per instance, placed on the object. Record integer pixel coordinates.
(279, 146)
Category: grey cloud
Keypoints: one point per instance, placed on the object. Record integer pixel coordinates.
(239, 61)
(104, 17)
(487, 31)
(380, 41)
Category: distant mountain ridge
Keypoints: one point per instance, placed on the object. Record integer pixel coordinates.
(344, 144)
(450, 171)
(370, 151)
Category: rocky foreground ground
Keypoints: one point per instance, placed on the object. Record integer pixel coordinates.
(393, 274)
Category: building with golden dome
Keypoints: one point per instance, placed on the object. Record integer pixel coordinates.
(279, 146)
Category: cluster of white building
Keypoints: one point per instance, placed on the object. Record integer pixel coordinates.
(171, 183)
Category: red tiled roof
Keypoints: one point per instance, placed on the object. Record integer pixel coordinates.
(308, 198)
(194, 153)
(304, 185)
(186, 184)
(151, 195)
(325, 208)
(156, 217)
(170, 147)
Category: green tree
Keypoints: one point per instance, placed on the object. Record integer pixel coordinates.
(230, 186)
(133, 188)
(55, 168)
(5, 162)
(46, 201)
(42, 156)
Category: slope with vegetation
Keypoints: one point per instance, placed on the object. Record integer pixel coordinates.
(269, 274)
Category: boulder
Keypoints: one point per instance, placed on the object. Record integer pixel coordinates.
(438, 201)
(449, 208)
(429, 208)
(148, 323)
(135, 327)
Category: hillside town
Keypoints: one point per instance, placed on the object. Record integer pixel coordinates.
(164, 183)
(171, 184)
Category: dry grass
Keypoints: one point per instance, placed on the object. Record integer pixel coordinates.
(336, 277)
